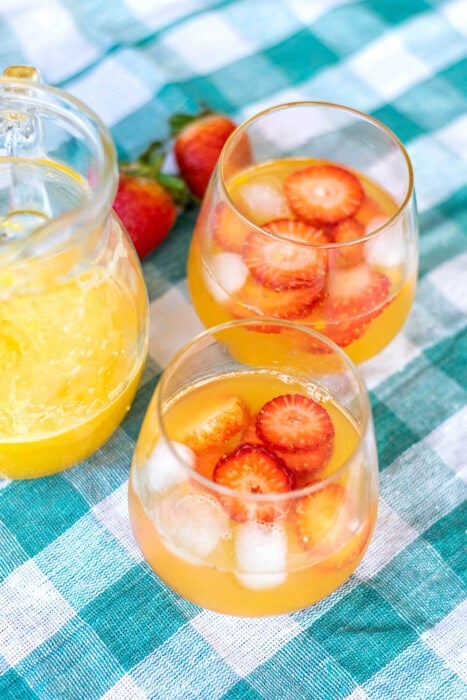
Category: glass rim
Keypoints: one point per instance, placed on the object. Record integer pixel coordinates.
(273, 497)
(328, 105)
(72, 111)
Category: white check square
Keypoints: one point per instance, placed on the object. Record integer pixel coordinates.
(206, 43)
(111, 90)
(172, 322)
(377, 64)
(448, 640)
(450, 279)
(32, 610)
(51, 39)
(223, 632)
(449, 441)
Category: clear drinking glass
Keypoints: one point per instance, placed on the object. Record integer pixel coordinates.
(253, 488)
(310, 216)
(73, 305)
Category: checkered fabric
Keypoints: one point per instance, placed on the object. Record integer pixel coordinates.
(81, 615)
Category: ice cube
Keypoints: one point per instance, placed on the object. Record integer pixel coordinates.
(388, 248)
(192, 525)
(261, 551)
(163, 469)
(263, 200)
(227, 275)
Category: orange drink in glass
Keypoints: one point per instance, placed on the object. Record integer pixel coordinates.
(253, 488)
(310, 216)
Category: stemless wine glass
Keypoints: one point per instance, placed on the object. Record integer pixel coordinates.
(73, 303)
(253, 487)
(310, 215)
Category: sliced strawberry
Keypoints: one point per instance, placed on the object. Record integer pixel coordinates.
(216, 424)
(229, 230)
(323, 192)
(306, 462)
(347, 231)
(253, 469)
(289, 258)
(354, 297)
(292, 422)
(254, 300)
(321, 519)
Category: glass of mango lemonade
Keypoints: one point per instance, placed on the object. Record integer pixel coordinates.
(310, 216)
(253, 488)
(73, 304)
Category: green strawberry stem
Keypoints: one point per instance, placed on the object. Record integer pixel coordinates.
(149, 164)
(178, 122)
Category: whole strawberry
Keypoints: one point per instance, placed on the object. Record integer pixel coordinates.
(198, 142)
(147, 200)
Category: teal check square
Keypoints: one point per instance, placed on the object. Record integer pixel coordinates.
(242, 691)
(86, 545)
(417, 674)
(393, 436)
(403, 127)
(397, 11)
(455, 76)
(14, 687)
(133, 616)
(326, 676)
(447, 536)
(453, 231)
(421, 591)
(314, 55)
(450, 357)
(74, 652)
(263, 74)
(53, 505)
(12, 554)
(363, 632)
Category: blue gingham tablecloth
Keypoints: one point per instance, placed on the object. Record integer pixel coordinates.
(81, 615)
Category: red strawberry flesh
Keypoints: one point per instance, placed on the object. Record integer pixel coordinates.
(288, 259)
(320, 518)
(354, 297)
(292, 422)
(253, 470)
(147, 211)
(324, 192)
(197, 147)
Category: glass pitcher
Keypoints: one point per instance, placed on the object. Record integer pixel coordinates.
(73, 303)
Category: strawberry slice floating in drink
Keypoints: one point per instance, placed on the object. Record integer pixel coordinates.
(324, 192)
(229, 230)
(321, 519)
(354, 296)
(253, 469)
(288, 259)
(347, 231)
(253, 300)
(294, 422)
(305, 463)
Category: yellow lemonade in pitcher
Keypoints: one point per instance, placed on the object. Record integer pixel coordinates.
(73, 339)
(258, 499)
(310, 241)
